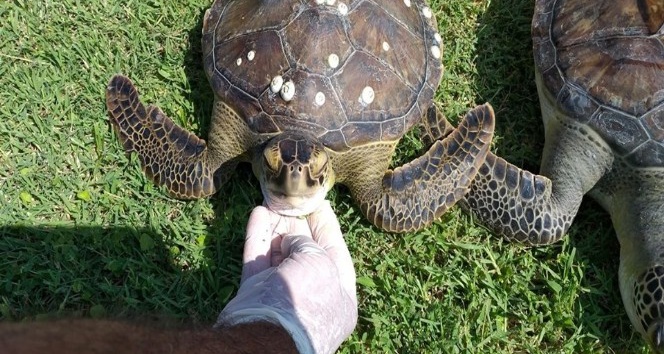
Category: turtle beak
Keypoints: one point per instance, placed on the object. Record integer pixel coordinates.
(295, 180)
(656, 337)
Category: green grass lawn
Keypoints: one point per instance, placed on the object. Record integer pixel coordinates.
(85, 234)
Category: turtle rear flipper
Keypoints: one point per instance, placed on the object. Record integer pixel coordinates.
(412, 196)
(169, 155)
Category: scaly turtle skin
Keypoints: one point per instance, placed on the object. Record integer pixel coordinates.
(600, 77)
(312, 94)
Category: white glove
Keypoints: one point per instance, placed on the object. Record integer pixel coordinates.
(305, 284)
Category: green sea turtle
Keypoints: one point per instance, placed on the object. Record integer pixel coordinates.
(313, 93)
(600, 77)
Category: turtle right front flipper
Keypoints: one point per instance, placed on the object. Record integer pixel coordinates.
(169, 155)
(412, 196)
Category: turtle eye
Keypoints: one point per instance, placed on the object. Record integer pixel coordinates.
(272, 159)
(318, 162)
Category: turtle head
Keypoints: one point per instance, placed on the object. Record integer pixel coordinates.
(295, 173)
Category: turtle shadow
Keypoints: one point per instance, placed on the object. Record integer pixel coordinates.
(236, 195)
(200, 93)
(506, 79)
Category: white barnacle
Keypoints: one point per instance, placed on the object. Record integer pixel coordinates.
(320, 2)
(276, 83)
(437, 37)
(288, 91)
(343, 9)
(251, 55)
(330, 2)
(386, 46)
(238, 62)
(407, 3)
(435, 51)
(333, 60)
(367, 96)
(426, 11)
(319, 99)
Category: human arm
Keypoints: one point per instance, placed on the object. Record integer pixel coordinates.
(114, 336)
(311, 293)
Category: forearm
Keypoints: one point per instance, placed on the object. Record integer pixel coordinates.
(102, 336)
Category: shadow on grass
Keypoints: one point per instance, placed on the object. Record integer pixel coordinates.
(506, 79)
(201, 94)
(202, 97)
(51, 271)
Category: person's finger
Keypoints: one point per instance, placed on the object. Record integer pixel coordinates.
(325, 227)
(297, 226)
(257, 245)
(262, 248)
(286, 225)
(276, 254)
(327, 232)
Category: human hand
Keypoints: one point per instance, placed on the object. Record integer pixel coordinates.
(297, 273)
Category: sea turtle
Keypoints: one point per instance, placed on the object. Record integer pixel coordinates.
(600, 78)
(314, 92)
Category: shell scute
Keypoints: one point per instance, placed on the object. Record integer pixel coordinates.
(366, 132)
(577, 102)
(263, 123)
(545, 54)
(392, 97)
(620, 72)
(406, 56)
(236, 18)
(650, 154)
(553, 80)
(330, 39)
(579, 21)
(621, 131)
(251, 76)
(394, 127)
(410, 17)
(654, 123)
(303, 107)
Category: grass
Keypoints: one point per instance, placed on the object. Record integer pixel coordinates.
(85, 234)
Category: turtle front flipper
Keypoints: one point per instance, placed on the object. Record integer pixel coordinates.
(169, 155)
(538, 209)
(517, 204)
(414, 195)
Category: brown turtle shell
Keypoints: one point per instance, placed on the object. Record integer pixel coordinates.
(606, 69)
(390, 46)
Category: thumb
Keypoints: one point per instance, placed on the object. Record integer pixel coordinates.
(299, 244)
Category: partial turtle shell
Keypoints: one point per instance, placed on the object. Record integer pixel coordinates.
(606, 69)
(349, 73)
